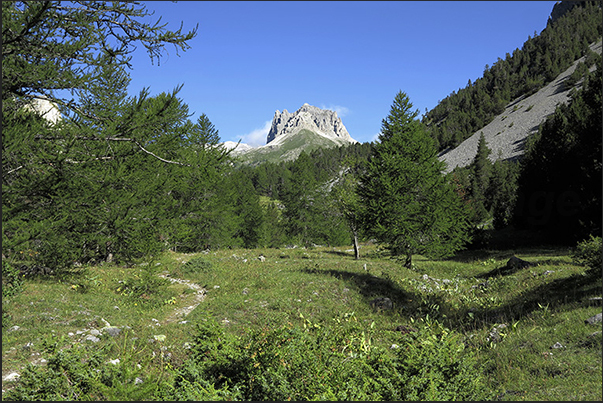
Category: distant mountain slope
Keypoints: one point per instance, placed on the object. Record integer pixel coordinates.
(528, 69)
(507, 133)
(306, 129)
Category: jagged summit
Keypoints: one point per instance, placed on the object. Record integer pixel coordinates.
(306, 129)
(323, 122)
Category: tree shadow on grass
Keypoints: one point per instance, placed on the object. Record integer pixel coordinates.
(340, 253)
(499, 271)
(405, 303)
(506, 270)
(560, 294)
(368, 285)
(473, 255)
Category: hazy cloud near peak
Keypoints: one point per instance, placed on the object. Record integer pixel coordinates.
(341, 110)
(257, 137)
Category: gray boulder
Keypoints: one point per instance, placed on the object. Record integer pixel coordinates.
(382, 303)
(112, 331)
(593, 320)
(516, 263)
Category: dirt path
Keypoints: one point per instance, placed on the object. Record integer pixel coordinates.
(198, 297)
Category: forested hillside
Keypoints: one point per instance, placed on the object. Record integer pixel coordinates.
(540, 59)
(119, 177)
(489, 190)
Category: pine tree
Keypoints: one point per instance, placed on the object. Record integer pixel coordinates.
(480, 169)
(346, 201)
(300, 200)
(406, 202)
(502, 192)
(559, 187)
(92, 185)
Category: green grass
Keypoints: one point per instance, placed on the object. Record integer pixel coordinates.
(470, 294)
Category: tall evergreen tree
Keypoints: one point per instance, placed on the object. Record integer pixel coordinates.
(502, 192)
(480, 170)
(94, 184)
(406, 202)
(347, 202)
(300, 200)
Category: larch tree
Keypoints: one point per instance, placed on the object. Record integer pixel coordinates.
(407, 203)
(99, 182)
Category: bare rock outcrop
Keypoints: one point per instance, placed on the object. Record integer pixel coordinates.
(321, 121)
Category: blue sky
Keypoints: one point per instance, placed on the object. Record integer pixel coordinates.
(250, 58)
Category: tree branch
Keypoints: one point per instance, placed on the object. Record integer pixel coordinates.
(159, 158)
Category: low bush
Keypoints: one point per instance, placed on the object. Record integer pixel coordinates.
(588, 252)
(82, 373)
(145, 287)
(12, 284)
(196, 265)
(12, 280)
(333, 362)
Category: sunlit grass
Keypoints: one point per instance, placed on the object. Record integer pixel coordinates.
(538, 307)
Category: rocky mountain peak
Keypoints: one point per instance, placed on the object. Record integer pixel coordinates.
(320, 121)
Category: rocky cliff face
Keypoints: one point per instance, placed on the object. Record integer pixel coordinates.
(320, 121)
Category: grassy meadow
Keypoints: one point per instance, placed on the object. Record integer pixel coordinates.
(526, 327)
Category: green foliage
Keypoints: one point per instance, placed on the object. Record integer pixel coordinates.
(198, 264)
(328, 361)
(144, 287)
(501, 193)
(406, 201)
(89, 187)
(588, 252)
(433, 363)
(12, 284)
(559, 187)
(12, 280)
(481, 171)
(83, 373)
(540, 59)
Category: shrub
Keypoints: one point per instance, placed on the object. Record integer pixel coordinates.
(332, 362)
(433, 364)
(12, 284)
(588, 252)
(145, 287)
(198, 264)
(12, 280)
(81, 372)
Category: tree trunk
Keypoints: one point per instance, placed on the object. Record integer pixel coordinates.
(356, 247)
(408, 262)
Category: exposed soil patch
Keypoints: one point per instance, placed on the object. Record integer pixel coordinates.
(197, 298)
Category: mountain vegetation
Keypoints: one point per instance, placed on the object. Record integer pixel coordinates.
(405, 201)
(541, 58)
(94, 203)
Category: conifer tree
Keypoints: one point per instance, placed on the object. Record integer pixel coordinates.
(346, 200)
(300, 200)
(92, 185)
(480, 170)
(502, 192)
(406, 201)
(559, 187)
